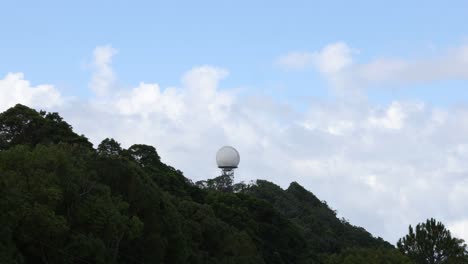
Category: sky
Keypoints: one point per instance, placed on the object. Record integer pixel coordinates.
(365, 103)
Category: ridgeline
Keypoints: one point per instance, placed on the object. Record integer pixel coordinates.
(62, 201)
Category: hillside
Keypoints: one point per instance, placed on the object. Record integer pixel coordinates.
(63, 201)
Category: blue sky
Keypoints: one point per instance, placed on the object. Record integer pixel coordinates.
(51, 41)
(365, 103)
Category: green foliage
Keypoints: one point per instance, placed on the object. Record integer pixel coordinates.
(432, 243)
(144, 155)
(109, 148)
(323, 231)
(368, 256)
(221, 183)
(25, 126)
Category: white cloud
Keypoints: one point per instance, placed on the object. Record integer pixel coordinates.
(393, 118)
(331, 59)
(334, 58)
(383, 166)
(453, 64)
(459, 229)
(148, 98)
(103, 75)
(15, 89)
(336, 63)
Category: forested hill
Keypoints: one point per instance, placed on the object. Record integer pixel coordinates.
(63, 201)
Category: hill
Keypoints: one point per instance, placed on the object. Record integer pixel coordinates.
(63, 201)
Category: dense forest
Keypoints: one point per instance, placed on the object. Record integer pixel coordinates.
(64, 201)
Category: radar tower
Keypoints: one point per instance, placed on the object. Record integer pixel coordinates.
(227, 159)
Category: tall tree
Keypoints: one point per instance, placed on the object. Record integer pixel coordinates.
(432, 243)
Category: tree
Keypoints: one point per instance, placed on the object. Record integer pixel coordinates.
(109, 148)
(432, 243)
(144, 155)
(221, 183)
(25, 126)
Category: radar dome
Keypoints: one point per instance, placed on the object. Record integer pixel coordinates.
(227, 157)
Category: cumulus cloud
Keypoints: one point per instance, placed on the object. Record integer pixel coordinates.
(392, 118)
(15, 89)
(148, 98)
(103, 77)
(393, 166)
(382, 166)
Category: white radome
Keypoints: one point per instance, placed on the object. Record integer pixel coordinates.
(227, 157)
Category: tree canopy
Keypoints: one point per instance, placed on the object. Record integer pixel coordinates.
(432, 243)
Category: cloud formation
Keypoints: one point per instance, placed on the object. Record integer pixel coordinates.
(103, 77)
(329, 60)
(15, 89)
(336, 63)
(460, 228)
(453, 64)
(382, 167)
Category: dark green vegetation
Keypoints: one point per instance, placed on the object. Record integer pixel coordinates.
(62, 201)
(432, 243)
